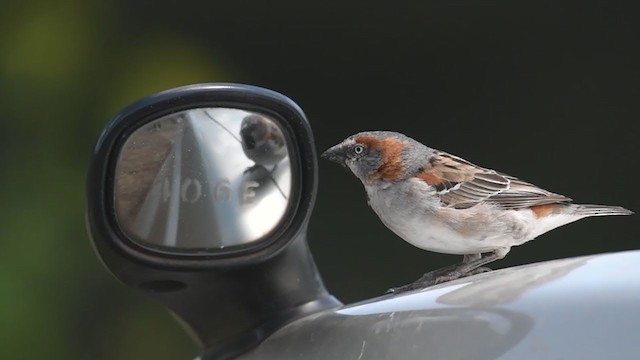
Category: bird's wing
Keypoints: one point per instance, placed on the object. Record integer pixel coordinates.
(461, 184)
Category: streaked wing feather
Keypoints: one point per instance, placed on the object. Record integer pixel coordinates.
(463, 185)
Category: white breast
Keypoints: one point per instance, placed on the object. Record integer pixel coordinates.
(424, 224)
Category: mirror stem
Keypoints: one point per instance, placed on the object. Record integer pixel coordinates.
(266, 296)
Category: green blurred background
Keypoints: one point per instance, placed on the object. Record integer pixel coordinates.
(548, 93)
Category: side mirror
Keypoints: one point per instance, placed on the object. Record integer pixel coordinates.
(200, 197)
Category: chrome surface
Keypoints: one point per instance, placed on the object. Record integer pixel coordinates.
(578, 308)
(203, 179)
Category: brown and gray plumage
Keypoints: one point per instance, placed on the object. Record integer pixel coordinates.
(262, 140)
(442, 203)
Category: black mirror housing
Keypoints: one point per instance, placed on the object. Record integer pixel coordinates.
(230, 298)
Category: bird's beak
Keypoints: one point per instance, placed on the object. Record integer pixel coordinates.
(335, 154)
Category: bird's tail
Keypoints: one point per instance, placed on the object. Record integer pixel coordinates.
(601, 210)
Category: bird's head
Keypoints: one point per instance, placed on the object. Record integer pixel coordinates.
(378, 155)
(254, 130)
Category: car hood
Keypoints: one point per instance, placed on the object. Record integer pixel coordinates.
(580, 308)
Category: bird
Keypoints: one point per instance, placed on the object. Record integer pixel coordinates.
(442, 203)
(262, 140)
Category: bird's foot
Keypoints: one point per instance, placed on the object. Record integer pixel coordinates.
(426, 280)
(403, 288)
(453, 275)
(436, 277)
(456, 274)
(480, 270)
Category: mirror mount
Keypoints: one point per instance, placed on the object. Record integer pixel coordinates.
(229, 298)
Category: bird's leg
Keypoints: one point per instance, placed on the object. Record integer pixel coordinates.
(426, 280)
(473, 257)
(471, 264)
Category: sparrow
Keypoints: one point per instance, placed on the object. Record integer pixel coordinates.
(262, 140)
(442, 203)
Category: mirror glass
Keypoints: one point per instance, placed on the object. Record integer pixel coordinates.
(206, 178)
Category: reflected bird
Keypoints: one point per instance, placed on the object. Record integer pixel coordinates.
(262, 140)
(257, 182)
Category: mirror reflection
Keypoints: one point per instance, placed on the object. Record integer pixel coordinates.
(204, 178)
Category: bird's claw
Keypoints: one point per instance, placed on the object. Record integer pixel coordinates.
(455, 274)
(448, 277)
(434, 278)
(399, 289)
(480, 270)
(428, 279)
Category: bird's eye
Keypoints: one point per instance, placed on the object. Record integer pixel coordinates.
(358, 149)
